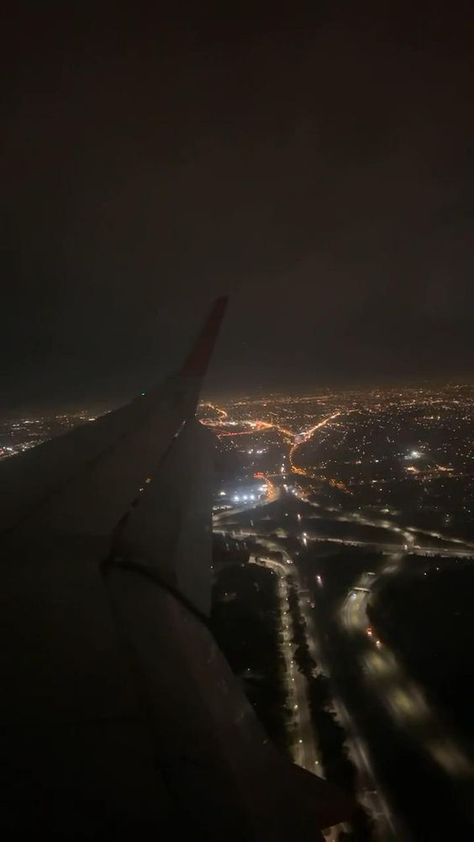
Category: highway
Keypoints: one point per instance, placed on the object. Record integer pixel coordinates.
(379, 668)
(304, 748)
(397, 691)
(404, 537)
(368, 793)
(304, 745)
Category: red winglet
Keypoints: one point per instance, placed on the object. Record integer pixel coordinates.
(198, 359)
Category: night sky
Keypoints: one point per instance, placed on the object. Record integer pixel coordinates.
(317, 165)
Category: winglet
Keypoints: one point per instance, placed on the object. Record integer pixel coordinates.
(197, 361)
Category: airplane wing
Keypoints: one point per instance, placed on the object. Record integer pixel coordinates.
(121, 718)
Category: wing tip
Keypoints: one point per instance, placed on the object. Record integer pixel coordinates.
(197, 361)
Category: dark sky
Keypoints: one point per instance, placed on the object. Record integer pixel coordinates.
(317, 165)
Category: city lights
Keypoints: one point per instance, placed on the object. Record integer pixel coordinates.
(353, 444)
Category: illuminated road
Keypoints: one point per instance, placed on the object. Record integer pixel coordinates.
(305, 750)
(305, 753)
(305, 437)
(369, 795)
(223, 415)
(405, 537)
(379, 669)
(397, 691)
(304, 747)
(293, 438)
